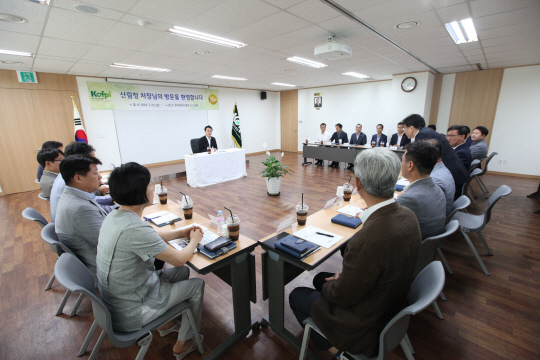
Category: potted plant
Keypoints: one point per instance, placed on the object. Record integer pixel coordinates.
(273, 172)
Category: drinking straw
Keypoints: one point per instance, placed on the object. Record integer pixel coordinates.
(184, 195)
(302, 201)
(232, 218)
(350, 179)
(161, 184)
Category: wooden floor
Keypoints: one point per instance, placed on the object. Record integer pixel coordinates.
(485, 317)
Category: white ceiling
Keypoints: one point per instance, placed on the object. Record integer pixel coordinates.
(69, 42)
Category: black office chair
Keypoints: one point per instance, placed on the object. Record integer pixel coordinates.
(195, 145)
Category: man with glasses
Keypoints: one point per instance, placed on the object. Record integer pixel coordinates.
(399, 139)
(456, 135)
(50, 160)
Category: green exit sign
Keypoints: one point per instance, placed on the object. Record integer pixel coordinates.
(27, 77)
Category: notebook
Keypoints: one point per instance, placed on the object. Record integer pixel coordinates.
(298, 248)
(219, 252)
(350, 222)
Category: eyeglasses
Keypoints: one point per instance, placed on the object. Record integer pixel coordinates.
(56, 160)
(451, 136)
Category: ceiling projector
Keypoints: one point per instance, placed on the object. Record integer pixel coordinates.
(332, 50)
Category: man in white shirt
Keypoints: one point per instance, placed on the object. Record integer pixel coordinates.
(399, 139)
(323, 137)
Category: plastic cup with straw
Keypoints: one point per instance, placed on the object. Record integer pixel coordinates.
(187, 206)
(233, 225)
(301, 212)
(162, 194)
(347, 190)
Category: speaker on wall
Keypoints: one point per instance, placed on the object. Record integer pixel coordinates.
(263, 95)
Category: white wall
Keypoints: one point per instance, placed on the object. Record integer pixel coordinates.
(515, 130)
(365, 103)
(259, 122)
(445, 102)
(404, 103)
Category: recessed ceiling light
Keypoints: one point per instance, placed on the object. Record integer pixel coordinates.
(228, 77)
(137, 67)
(306, 62)
(282, 84)
(202, 52)
(407, 24)
(462, 31)
(42, 2)
(197, 35)
(87, 9)
(17, 53)
(360, 76)
(10, 62)
(12, 19)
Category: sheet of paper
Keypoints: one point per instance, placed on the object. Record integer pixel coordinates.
(329, 203)
(309, 233)
(392, 147)
(350, 210)
(164, 219)
(285, 224)
(156, 214)
(403, 182)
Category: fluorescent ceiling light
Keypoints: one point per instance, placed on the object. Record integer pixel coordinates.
(228, 77)
(17, 53)
(462, 31)
(192, 34)
(306, 62)
(351, 73)
(137, 67)
(42, 2)
(281, 84)
(159, 83)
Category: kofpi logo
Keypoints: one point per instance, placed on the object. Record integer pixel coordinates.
(100, 95)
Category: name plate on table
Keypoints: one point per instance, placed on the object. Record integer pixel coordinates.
(355, 191)
(213, 219)
(285, 224)
(329, 203)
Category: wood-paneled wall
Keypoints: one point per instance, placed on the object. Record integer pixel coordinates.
(32, 114)
(435, 99)
(476, 94)
(289, 120)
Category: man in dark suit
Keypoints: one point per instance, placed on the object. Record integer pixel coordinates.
(338, 135)
(358, 138)
(353, 306)
(456, 137)
(399, 138)
(207, 140)
(379, 138)
(415, 128)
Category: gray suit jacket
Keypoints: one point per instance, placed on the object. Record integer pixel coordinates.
(479, 149)
(46, 183)
(78, 221)
(428, 202)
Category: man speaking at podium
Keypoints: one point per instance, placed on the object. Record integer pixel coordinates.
(207, 140)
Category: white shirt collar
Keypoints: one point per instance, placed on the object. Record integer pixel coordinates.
(364, 215)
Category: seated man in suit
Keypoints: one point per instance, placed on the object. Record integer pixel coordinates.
(323, 137)
(353, 306)
(422, 195)
(79, 148)
(478, 145)
(432, 127)
(415, 128)
(456, 137)
(399, 139)
(48, 145)
(358, 138)
(379, 139)
(207, 141)
(442, 177)
(79, 216)
(49, 159)
(338, 135)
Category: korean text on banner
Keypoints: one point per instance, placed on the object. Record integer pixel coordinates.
(118, 96)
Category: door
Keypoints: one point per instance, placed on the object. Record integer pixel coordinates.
(289, 120)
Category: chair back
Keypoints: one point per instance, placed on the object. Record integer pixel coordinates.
(474, 164)
(461, 203)
(43, 198)
(424, 290)
(484, 170)
(474, 173)
(48, 234)
(73, 275)
(34, 215)
(428, 249)
(503, 190)
(195, 145)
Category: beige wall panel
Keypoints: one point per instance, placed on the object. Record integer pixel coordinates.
(435, 100)
(289, 120)
(46, 81)
(475, 99)
(54, 111)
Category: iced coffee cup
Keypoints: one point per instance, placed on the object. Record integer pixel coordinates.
(187, 207)
(301, 213)
(233, 226)
(209, 150)
(162, 193)
(347, 191)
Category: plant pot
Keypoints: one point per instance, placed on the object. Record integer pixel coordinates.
(273, 185)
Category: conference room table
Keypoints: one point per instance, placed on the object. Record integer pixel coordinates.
(334, 152)
(205, 169)
(279, 268)
(236, 268)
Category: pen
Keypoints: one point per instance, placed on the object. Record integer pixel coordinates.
(324, 234)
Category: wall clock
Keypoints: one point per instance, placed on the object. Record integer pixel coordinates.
(408, 84)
